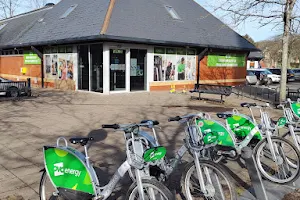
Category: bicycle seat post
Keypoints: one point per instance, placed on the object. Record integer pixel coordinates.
(87, 158)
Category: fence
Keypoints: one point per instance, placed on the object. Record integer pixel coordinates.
(265, 93)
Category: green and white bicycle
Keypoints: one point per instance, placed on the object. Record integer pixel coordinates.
(277, 158)
(69, 174)
(201, 178)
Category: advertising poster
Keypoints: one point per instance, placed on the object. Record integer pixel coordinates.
(170, 67)
(158, 68)
(190, 68)
(60, 66)
(133, 67)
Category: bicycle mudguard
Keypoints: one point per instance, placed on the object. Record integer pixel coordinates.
(242, 125)
(296, 108)
(215, 132)
(66, 169)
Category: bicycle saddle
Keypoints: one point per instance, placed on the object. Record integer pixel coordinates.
(153, 122)
(248, 105)
(224, 115)
(82, 140)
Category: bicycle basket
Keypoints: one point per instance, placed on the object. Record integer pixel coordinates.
(295, 106)
(67, 170)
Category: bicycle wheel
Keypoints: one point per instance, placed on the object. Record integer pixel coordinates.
(286, 169)
(153, 190)
(289, 137)
(218, 183)
(47, 190)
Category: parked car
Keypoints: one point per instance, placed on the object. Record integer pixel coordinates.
(251, 78)
(290, 73)
(265, 76)
(297, 74)
(14, 88)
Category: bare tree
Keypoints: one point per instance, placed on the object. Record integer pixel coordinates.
(8, 8)
(279, 13)
(38, 3)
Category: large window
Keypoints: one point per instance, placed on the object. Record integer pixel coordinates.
(174, 64)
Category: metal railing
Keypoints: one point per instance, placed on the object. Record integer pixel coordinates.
(265, 93)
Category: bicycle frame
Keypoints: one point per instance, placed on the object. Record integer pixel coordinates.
(105, 191)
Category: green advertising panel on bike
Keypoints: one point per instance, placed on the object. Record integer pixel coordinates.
(282, 121)
(211, 128)
(242, 126)
(153, 154)
(66, 170)
(296, 108)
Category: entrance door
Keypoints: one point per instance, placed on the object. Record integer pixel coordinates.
(97, 67)
(83, 67)
(138, 68)
(117, 70)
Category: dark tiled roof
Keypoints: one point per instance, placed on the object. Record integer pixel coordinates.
(256, 55)
(131, 20)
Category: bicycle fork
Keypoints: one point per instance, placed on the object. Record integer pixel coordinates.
(199, 173)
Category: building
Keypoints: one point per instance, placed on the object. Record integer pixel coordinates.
(255, 60)
(121, 46)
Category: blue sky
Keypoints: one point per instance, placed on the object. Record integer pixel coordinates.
(251, 28)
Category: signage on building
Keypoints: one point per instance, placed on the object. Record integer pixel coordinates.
(226, 60)
(31, 58)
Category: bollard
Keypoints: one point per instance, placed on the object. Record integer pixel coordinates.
(254, 173)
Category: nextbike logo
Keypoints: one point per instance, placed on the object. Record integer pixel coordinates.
(59, 170)
(154, 154)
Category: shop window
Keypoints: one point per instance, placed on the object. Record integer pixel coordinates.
(172, 64)
(172, 12)
(47, 50)
(61, 49)
(54, 49)
(68, 11)
(69, 49)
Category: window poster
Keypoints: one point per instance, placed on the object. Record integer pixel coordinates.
(174, 64)
(60, 66)
(133, 67)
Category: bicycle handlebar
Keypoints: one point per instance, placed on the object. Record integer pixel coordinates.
(248, 105)
(172, 119)
(113, 126)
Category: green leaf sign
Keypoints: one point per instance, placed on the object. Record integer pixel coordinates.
(154, 154)
(31, 58)
(226, 60)
(66, 170)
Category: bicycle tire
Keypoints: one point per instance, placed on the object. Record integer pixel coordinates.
(265, 174)
(216, 167)
(42, 188)
(133, 190)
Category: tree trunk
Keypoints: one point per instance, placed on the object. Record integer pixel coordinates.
(285, 49)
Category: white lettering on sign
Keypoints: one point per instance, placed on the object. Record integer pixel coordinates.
(59, 170)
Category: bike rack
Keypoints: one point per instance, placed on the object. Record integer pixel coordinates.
(254, 174)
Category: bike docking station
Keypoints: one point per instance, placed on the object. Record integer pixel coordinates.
(263, 189)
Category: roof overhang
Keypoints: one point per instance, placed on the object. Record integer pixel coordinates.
(125, 40)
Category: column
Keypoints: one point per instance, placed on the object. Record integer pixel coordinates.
(106, 71)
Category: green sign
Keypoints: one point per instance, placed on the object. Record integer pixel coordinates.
(281, 122)
(191, 52)
(66, 170)
(228, 60)
(155, 153)
(296, 108)
(171, 51)
(31, 58)
(181, 51)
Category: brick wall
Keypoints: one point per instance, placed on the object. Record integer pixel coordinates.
(10, 68)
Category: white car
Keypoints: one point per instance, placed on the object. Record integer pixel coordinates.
(251, 79)
(272, 78)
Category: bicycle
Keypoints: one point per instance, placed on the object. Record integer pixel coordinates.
(292, 119)
(73, 177)
(200, 178)
(241, 131)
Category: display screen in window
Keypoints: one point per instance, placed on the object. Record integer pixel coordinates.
(173, 67)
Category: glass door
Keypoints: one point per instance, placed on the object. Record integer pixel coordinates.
(97, 67)
(83, 67)
(138, 68)
(117, 70)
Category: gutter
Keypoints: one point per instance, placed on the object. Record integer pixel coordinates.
(111, 38)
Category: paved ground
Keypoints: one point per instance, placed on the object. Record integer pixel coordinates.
(27, 125)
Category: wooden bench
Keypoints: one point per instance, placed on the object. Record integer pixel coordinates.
(212, 89)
